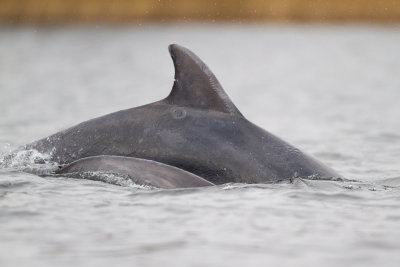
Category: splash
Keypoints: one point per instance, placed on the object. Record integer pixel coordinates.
(109, 178)
(31, 161)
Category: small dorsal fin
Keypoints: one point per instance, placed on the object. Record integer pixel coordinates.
(195, 85)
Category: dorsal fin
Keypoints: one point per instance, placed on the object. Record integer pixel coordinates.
(195, 85)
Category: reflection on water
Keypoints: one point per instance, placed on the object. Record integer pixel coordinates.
(330, 90)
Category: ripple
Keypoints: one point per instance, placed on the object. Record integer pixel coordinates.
(10, 184)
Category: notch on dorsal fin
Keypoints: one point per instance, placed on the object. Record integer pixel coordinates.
(195, 85)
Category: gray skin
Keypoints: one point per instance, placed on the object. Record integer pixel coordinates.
(140, 171)
(196, 128)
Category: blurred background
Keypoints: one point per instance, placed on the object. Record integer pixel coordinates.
(51, 11)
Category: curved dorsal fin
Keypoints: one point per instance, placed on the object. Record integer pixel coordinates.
(195, 85)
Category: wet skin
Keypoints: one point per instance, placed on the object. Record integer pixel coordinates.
(140, 171)
(196, 128)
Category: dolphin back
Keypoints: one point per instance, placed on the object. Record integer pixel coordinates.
(140, 171)
(196, 128)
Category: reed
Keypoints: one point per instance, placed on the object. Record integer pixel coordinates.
(223, 10)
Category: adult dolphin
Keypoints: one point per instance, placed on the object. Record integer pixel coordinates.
(196, 128)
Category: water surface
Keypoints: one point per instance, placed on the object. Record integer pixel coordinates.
(332, 91)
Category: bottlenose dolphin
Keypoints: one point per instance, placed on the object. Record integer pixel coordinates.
(140, 171)
(196, 128)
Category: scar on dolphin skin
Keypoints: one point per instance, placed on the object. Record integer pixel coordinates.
(196, 129)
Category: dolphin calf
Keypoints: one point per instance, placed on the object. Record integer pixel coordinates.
(140, 171)
(196, 128)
